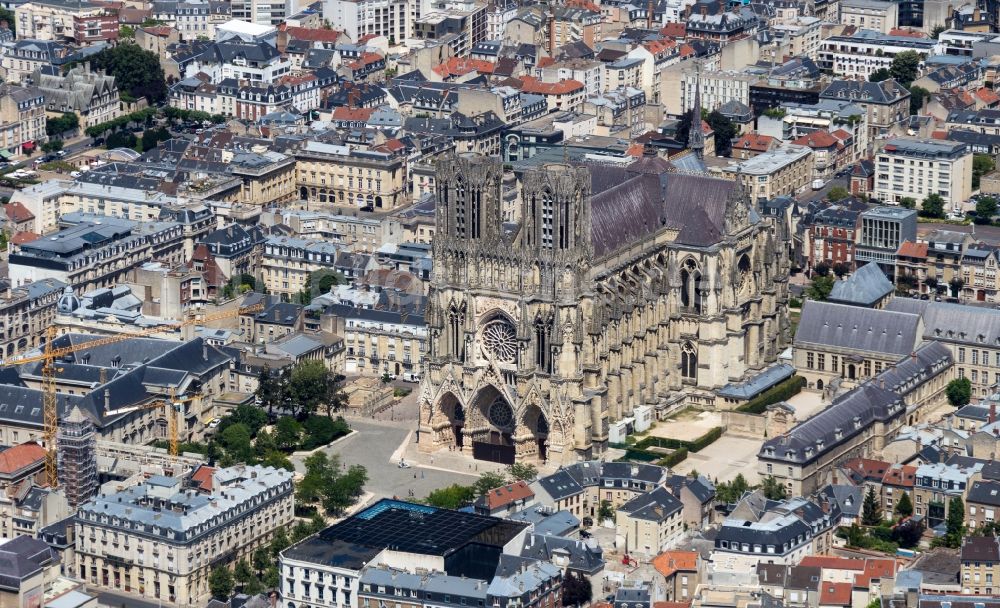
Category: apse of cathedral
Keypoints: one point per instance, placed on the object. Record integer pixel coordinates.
(609, 290)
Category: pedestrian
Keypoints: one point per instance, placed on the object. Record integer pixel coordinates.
(414, 475)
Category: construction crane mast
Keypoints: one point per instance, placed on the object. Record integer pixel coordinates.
(50, 398)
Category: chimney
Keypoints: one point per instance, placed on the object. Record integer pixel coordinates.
(107, 399)
(552, 31)
(704, 10)
(649, 15)
(913, 356)
(993, 411)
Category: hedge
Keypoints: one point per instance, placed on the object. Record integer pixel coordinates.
(779, 392)
(674, 459)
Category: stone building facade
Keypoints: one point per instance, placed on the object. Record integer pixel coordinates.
(618, 287)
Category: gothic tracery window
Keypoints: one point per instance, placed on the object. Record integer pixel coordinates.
(500, 414)
(689, 361)
(500, 341)
(691, 296)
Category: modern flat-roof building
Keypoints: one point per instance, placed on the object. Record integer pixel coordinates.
(883, 230)
(163, 538)
(325, 570)
(916, 168)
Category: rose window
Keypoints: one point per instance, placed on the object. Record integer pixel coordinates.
(500, 414)
(500, 340)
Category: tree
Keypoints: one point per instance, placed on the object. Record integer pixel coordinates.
(955, 523)
(320, 473)
(520, 471)
(269, 390)
(840, 269)
(959, 392)
(345, 489)
(308, 386)
(724, 130)
(319, 430)
(271, 577)
(454, 496)
(576, 589)
(57, 125)
(335, 396)
(242, 573)
(121, 139)
(287, 433)
(278, 460)
(871, 513)
(904, 508)
(773, 489)
(821, 269)
(236, 440)
(126, 32)
(137, 71)
(220, 583)
(908, 202)
(917, 97)
(981, 165)
(731, 491)
(933, 206)
(820, 288)
(322, 281)
(261, 559)
(386, 378)
(53, 145)
(249, 416)
(956, 285)
(986, 208)
(907, 533)
(837, 193)
(7, 17)
(936, 32)
(905, 67)
(879, 75)
(489, 481)
(605, 511)
(279, 542)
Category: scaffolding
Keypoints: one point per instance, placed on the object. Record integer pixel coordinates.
(76, 443)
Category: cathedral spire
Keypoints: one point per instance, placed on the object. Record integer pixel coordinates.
(696, 137)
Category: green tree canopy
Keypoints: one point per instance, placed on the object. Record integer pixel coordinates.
(905, 67)
(955, 522)
(220, 583)
(908, 202)
(576, 590)
(959, 392)
(287, 433)
(933, 206)
(871, 512)
(837, 193)
(773, 489)
(308, 386)
(136, 71)
(53, 145)
(917, 97)
(7, 17)
(488, 481)
(236, 440)
(820, 287)
(879, 75)
(725, 130)
(981, 165)
(904, 506)
(520, 471)
(986, 208)
(731, 491)
(57, 125)
(454, 496)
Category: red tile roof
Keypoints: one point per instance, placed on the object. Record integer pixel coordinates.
(817, 139)
(504, 495)
(875, 569)
(902, 31)
(903, 475)
(841, 134)
(867, 468)
(830, 562)
(352, 114)
(24, 236)
(635, 150)
(835, 594)
(755, 142)
(988, 96)
(458, 66)
(675, 30)
(669, 562)
(910, 249)
(365, 59)
(21, 456)
(158, 30)
(313, 34)
(530, 84)
(687, 50)
(203, 477)
(659, 46)
(16, 212)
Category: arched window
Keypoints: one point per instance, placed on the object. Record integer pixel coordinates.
(543, 355)
(564, 226)
(460, 208)
(689, 361)
(477, 215)
(545, 221)
(691, 296)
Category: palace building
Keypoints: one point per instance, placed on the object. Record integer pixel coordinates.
(612, 288)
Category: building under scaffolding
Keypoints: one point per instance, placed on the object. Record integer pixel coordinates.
(77, 443)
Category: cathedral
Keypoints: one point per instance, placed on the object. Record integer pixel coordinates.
(613, 288)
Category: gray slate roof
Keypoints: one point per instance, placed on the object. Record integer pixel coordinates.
(859, 329)
(865, 287)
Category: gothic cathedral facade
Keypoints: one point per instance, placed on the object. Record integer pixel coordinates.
(607, 289)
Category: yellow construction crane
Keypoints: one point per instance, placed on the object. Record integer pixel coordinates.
(49, 355)
(170, 409)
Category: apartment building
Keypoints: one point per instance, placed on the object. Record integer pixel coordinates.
(161, 539)
(373, 178)
(916, 168)
(650, 523)
(936, 484)
(980, 565)
(878, 15)
(63, 20)
(25, 313)
(287, 263)
(22, 119)
(982, 503)
(784, 171)
(886, 104)
(858, 55)
(92, 96)
(389, 18)
(21, 58)
(832, 236)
